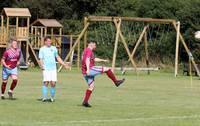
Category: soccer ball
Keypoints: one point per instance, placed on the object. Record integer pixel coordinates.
(197, 34)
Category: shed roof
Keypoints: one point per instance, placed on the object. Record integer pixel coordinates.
(16, 12)
(53, 23)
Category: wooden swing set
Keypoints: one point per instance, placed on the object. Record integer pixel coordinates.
(143, 36)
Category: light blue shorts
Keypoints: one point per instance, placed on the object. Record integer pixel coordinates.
(94, 71)
(8, 72)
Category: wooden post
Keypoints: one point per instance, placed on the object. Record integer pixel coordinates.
(177, 47)
(146, 51)
(76, 42)
(51, 33)
(78, 57)
(188, 51)
(138, 42)
(126, 48)
(45, 32)
(2, 30)
(41, 39)
(7, 28)
(31, 30)
(36, 38)
(17, 27)
(70, 47)
(28, 25)
(33, 52)
(85, 35)
(27, 51)
(118, 25)
(60, 40)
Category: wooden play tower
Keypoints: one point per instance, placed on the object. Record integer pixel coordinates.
(46, 27)
(15, 24)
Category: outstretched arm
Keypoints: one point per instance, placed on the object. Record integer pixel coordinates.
(41, 64)
(62, 62)
(100, 60)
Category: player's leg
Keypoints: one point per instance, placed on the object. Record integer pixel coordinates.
(3, 88)
(13, 85)
(5, 76)
(52, 90)
(88, 92)
(46, 80)
(53, 84)
(112, 76)
(13, 74)
(45, 91)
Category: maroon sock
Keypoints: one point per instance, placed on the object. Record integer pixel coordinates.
(111, 75)
(3, 87)
(13, 85)
(87, 95)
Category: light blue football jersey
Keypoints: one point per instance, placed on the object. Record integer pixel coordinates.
(48, 56)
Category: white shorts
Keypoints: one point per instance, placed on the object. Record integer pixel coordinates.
(50, 75)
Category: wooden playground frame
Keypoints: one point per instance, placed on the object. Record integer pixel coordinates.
(117, 23)
(27, 35)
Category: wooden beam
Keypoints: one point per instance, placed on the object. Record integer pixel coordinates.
(126, 48)
(137, 19)
(118, 25)
(188, 51)
(76, 42)
(33, 52)
(85, 35)
(146, 51)
(177, 46)
(148, 20)
(138, 42)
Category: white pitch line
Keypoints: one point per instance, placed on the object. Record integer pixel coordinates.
(111, 120)
(136, 119)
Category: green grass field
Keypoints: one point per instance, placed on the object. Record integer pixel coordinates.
(155, 100)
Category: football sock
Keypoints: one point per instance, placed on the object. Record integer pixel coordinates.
(111, 75)
(44, 91)
(3, 87)
(87, 95)
(13, 85)
(52, 91)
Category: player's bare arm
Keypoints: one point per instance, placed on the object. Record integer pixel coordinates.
(18, 62)
(66, 65)
(100, 60)
(41, 64)
(88, 65)
(4, 63)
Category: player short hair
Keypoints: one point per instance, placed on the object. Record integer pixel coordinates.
(12, 40)
(47, 37)
(92, 42)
